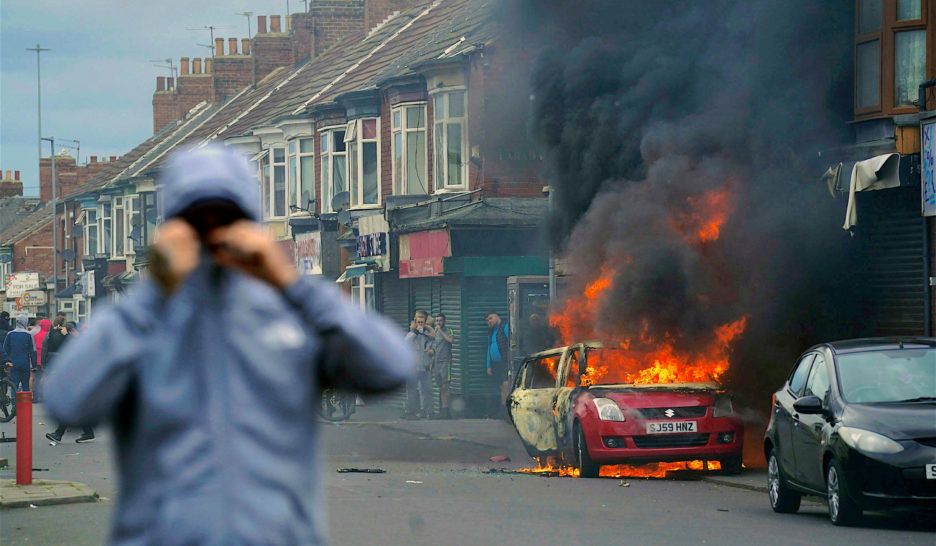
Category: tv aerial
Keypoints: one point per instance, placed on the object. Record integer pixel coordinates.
(210, 29)
(173, 71)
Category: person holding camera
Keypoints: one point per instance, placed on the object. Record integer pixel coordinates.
(419, 389)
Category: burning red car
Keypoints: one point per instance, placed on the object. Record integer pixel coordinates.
(558, 411)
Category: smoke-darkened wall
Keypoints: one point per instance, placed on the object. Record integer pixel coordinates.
(661, 119)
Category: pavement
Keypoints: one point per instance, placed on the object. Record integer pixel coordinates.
(43, 493)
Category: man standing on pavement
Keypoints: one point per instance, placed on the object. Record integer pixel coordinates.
(20, 348)
(442, 362)
(497, 354)
(214, 421)
(4, 326)
(419, 389)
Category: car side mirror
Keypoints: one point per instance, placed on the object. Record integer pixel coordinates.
(809, 405)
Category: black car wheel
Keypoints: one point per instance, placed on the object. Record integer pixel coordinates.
(587, 467)
(843, 510)
(731, 466)
(783, 500)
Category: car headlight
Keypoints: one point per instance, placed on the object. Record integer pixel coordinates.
(608, 410)
(723, 406)
(867, 441)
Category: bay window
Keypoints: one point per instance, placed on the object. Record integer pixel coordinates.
(450, 140)
(277, 195)
(362, 290)
(106, 223)
(408, 129)
(334, 165)
(119, 235)
(90, 232)
(301, 161)
(362, 139)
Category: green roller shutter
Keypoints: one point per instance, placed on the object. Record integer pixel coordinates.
(480, 295)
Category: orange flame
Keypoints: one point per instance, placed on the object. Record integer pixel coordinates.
(707, 214)
(651, 470)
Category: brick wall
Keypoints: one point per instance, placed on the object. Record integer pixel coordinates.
(68, 175)
(332, 20)
(34, 253)
(270, 51)
(11, 185)
(230, 74)
(377, 11)
(302, 30)
(165, 109)
(386, 152)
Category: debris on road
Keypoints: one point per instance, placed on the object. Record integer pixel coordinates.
(622, 483)
(413, 481)
(499, 458)
(362, 470)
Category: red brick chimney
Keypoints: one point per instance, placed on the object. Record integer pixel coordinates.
(184, 66)
(275, 23)
(334, 20)
(16, 175)
(261, 24)
(245, 46)
(196, 65)
(207, 66)
(232, 46)
(160, 83)
(377, 11)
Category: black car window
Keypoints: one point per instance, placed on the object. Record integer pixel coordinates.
(818, 383)
(798, 378)
(541, 373)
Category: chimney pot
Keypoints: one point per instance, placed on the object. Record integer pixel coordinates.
(113, 158)
(232, 46)
(170, 84)
(207, 66)
(245, 46)
(9, 176)
(93, 159)
(261, 24)
(184, 66)
(196, 66)
(160, 83)
(16, 175)
(219, 47)
(274, 23)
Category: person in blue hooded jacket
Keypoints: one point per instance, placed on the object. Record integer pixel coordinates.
(214, 422)
(20, 347)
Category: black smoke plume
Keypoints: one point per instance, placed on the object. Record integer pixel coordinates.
(645, 110)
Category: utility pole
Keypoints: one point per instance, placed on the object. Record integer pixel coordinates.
(54, 230)
(39, 49)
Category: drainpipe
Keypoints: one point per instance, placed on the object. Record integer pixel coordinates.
(921, 104)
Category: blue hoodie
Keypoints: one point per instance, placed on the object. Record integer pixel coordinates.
(214, 421)
(20, 346)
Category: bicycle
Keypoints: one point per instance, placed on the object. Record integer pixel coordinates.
(7, 396)
(336, 405)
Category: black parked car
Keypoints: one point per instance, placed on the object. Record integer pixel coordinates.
(856, 423)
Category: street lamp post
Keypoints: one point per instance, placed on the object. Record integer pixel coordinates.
(54, 230)
(39, 49)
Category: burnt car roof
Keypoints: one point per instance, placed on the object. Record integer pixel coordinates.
(879, 344)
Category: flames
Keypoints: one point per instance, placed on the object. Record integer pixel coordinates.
(651, 470)
(636, 357)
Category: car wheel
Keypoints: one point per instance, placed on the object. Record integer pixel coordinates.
(731, 466)
(843, 510)
(783, 500)
(587, 467)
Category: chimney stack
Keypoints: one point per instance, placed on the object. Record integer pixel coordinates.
(93, 159)
(113, 158)
(245, 46)
(9, 176)
(160, 83)
(261, 24)
(196, 65)
(170, 84)
(232, 46)
(274, 23)
(207, 66)
(184, 66)
(219, 47)
(16, 175)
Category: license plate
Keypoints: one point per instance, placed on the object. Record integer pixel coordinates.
(669, 427)
(931, 472)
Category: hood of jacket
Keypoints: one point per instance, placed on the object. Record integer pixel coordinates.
(22, 321)
(45, 325)
(211, 172)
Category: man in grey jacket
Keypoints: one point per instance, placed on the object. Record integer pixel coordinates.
(216, 430)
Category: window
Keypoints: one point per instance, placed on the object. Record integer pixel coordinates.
(6, 268)
(799, 375)
(409, 150)
(105, 233)
(890, 55)
(334, 165)
(818, 383)
(133, 224)
(90, 233)
(362, 290)
(362, 139)
(274, 183)
(541, 373)
(119, 234)
(301, 161)
(450, 141)
(150, 217)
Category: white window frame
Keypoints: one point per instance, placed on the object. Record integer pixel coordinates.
(132, 208)
(294, 159)
(399, 148)
(6, 269)
(91, 227)
(328, 136)
(355, 141)
(118, 229)
(440, 124)
(362, 291)
(105, 227)
(273, 164)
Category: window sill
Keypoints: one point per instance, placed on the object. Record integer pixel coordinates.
(366, 207)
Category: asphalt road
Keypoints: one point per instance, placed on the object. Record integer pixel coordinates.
(439, 489)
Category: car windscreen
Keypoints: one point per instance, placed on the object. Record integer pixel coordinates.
(903, 375)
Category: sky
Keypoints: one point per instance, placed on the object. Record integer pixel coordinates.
(98, 79)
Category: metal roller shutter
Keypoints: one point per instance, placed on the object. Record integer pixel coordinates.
(480, 295)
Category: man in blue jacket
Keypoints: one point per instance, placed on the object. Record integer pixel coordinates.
(20, 348)
(214, 420)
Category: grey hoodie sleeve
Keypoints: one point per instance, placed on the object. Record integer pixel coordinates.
(93, 372)
(362, 352)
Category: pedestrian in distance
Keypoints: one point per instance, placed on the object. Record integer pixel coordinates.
(4, 325)
(442, 363)
(36, 372)
(54, 342)
(419, 388)
(20, 348)
(497, 355)
(214, 420)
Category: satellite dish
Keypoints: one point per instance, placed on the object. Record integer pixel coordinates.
(68, 255)
(5, 258)
(340, 201)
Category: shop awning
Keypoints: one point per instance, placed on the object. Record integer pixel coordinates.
(352, 271)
